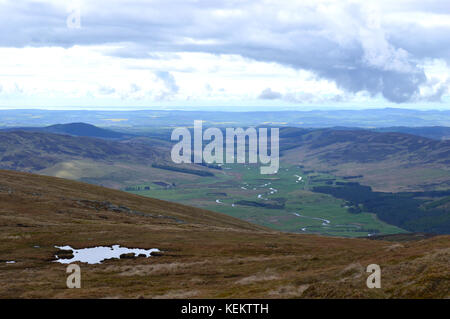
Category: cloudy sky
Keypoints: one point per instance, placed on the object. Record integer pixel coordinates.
(231, 55)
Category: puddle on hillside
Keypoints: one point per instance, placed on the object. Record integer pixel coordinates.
(95, 255)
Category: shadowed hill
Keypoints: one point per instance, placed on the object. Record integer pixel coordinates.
(34, 151)
(74, 129)
(342, 146)
(98, 161)
(204, 254)
(385, 161)
(434, 132)
(83, 129)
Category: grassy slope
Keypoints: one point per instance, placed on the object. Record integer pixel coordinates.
(209, 255)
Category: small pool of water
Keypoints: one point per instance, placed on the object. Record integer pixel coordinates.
(95, 255)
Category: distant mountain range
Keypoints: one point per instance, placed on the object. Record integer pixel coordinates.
(132, 120)
(88, 130)
(387, 161)
(74, 129)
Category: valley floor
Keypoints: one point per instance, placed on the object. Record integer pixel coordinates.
(284, 202)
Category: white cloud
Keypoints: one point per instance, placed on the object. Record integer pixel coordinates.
(215, 52)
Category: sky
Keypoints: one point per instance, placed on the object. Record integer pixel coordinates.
(227, 55)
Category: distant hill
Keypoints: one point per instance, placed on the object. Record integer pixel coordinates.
(203, 254)
(32, 151)
(83, 129)
(111, 163)
(434, 132)
(340, 146)
(386, 161)
(74, 129)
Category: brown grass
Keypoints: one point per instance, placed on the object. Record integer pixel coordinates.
(209, 255)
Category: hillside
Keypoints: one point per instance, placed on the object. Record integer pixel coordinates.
(74, 129)
(341, 146)
(32, 151)
(434, 132)
(98, 161)
(204, 254)
(386, 161)
(83, 129)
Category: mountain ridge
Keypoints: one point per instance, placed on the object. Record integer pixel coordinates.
(35, 150)
(80, 129)
(389, 161)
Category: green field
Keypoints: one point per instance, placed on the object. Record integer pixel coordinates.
(283, 201)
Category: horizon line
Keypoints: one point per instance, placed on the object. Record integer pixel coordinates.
(227, 111)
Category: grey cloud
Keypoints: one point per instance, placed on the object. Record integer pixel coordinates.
(268, 94)
(395, 86)
(439, 90)
(309, 98)
(106, 90)
(131, 51)
(347, 43)
(437, 96)
(134, 88)
(18, 88)
(300, 97)
(134, 92)
(137, 51)
(169, 81)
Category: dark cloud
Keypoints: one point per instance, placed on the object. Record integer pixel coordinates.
(397, 87)
(344, 42)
